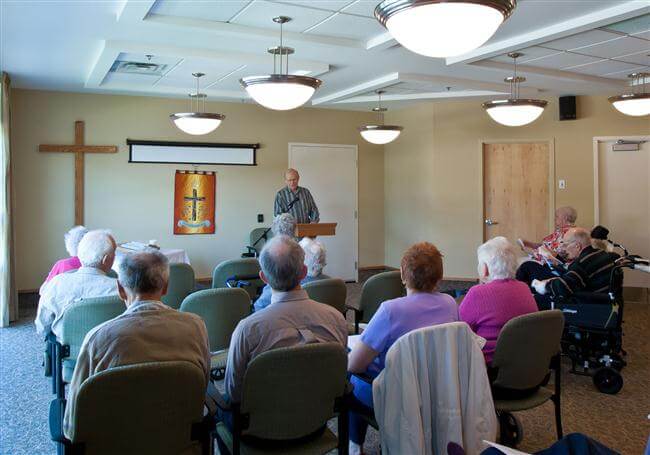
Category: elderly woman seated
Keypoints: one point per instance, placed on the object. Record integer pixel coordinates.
(284, 224)
(315, 260)
(421, 269)
(71, 239)
(500, 297)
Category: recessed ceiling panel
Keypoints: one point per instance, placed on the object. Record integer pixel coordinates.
(622, 74)
(615, 48)
(348, 26)
(213, 70)
(214, 10)
(640, 58)
(632, 26)
(562, 60)
(130, 80)
(530, 53)
(582, 39)
(261, 14)
(604, 67)
(362, 8)
(328, 5)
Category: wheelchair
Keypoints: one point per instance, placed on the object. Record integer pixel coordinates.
(593, 329)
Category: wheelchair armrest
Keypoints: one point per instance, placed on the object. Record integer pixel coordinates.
(57, 410)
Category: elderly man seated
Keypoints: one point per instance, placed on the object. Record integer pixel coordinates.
(590, 269)
(291, 319)
(71, 239)
(96, 253)
(147, 331)
(315, 260)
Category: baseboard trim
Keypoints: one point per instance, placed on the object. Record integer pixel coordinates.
(460, 278)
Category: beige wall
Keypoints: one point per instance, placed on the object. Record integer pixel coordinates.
(135, 200)
(432, 172)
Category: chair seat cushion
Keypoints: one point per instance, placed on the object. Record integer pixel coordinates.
(539, 397)
(68, 370)
(218, 359)
(322, 443)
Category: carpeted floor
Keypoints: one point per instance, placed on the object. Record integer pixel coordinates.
(619, 421)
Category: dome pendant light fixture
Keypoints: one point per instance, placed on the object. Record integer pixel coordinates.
(634, 104)
(196, 122)
(380, 134)
(281, 91)
(443, 28)
(515, 111)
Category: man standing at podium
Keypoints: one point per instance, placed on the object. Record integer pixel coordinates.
(296, 200)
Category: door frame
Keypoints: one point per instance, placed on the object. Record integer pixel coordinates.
(596, 141)
(551, 177)
(355, 149)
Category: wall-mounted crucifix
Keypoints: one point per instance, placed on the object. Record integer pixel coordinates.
(79, 149)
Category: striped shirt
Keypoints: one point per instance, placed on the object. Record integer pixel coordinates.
(304, 210)
(589, 272)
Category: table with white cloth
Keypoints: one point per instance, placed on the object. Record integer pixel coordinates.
(174, 255)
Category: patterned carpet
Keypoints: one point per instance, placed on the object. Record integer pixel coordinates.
(618, 421)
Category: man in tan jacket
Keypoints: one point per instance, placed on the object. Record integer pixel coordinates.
(148, 331)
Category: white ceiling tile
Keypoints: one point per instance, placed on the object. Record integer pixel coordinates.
(328, 5)
(631, 26)
(213, 70)
(348, 26)
(622, 73)
(604, 67)
(362, 8)
(562, 60)
(615, 48)
(530, 53)
(643, 35)
(640, 58)
(261, 14)
(135, 80)
(214, 10)
(581, 39)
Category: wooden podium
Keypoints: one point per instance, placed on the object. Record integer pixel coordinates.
(315, 229)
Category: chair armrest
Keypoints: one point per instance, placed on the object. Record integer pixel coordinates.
(214, 396)
(358, 314)
(57, 410)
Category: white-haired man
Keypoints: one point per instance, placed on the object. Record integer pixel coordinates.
(303, 207)
(96, 253)
(148, 331)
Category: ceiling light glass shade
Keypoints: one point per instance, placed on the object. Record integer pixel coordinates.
(380, 134)
(634, 104)
(197, 123)
(443, 28)
(281, 92)
(513, 112)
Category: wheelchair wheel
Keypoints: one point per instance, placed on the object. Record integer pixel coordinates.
(510, 429)
(608, 380)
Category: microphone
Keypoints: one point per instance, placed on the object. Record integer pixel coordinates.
(292, 203)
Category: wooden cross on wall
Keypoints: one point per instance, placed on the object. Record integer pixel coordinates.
(79, 149)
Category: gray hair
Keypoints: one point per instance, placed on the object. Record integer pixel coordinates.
(499, 256)
(144, 272)
(72, 239)
(282, 261)
(94, 246)
(569, 213)
(579, 235)
(315, 256)
(284, 224)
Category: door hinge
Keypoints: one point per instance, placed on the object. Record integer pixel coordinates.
(356, 215)
(355, 265)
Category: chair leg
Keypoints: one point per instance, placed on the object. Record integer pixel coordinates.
(558, 393)
(344, 431)
(558, 416)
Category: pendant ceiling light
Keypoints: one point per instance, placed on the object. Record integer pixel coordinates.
(281, 91)
(380, 133)
(515, 111)
(634, 104)
(443, 28)
(197, 122)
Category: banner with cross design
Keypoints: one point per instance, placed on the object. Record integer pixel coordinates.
(194, 196)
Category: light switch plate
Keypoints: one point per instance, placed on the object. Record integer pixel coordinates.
(561, 184)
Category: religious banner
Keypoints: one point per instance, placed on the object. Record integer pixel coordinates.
(194, 195)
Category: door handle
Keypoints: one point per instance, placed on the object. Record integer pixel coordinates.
(490, 222)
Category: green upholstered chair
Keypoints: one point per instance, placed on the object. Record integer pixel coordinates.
(331, 291)
(221, 310)
(138, 409)
(181, 284)
(288, 395)
(242, 273)
(257, 235)
(78, 319)
(377, 289)
(527, 350)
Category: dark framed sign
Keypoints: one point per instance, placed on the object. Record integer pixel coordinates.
(192, 153)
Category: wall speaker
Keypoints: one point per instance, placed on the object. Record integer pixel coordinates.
(568, 108)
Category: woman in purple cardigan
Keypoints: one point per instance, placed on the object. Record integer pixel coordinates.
(500, 297)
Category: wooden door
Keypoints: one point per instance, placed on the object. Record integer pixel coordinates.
(516, 190)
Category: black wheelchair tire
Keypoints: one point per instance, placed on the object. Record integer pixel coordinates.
(608, 380)
(510, 429)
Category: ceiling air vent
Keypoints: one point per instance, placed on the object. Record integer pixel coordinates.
(145, 68)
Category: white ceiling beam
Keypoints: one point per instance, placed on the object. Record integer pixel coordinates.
(380, 42)
(621, 11)
(174, 92)
(134, 10)
(375, 84)
(555, 74)
(249, 32)
(107, 55)
(422, 96)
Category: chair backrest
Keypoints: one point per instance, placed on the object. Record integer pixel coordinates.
(256, 234)
(379, 288)
(82, 316)
(221, 310)
(525, 347)
(181, 284)
(331, 291)
(244, 267)
(291, 392)
(141, 408)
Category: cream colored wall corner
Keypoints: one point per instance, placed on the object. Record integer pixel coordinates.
(135, 200)
(432, 172)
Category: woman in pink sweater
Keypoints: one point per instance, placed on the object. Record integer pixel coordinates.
(72, 239)
(488, 306)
